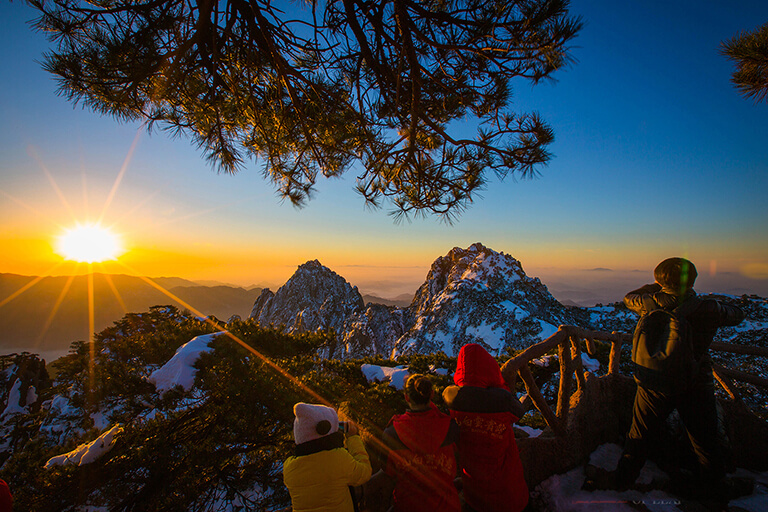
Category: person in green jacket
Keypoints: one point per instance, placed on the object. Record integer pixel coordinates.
(327, 462)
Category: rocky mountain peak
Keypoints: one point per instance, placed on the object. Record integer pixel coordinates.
(482, 296)
(475, 266)
(314, 298)
(470, 295)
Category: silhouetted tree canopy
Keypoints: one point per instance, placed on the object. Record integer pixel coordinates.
(750, 52)
(312, 87)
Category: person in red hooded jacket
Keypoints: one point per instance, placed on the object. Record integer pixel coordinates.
(480, 402)
(421, 457)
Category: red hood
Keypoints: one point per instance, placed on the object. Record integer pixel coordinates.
(424, 431)
(478, 368)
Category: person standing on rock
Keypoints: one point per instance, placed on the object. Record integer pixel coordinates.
(484, 408)
(687, 386)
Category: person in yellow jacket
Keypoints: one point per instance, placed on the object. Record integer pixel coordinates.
(327, 463)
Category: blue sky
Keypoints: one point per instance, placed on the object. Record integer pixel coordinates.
(656, 154)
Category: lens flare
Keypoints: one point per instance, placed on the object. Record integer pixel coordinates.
(89, 243)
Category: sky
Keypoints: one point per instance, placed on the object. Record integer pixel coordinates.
(656, 155)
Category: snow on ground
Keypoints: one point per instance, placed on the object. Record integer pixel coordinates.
(547, 329)
(748, 325)
(100, 420)
(493, 336)
(396, 376)
(13, 400)
(563, 493)
(87, 453)
(179, 370)
(532, 432)
(62, 420)
(544, 361)
(758, 500)
(589, 364)
(438, 371)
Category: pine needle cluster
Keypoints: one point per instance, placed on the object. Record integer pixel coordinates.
(749, 50)
(387, 87)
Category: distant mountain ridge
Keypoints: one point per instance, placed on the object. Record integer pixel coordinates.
(27, 322)
(401, 301)
(469, 295)
(52, 313)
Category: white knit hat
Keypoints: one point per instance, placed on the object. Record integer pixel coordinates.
(313, 422)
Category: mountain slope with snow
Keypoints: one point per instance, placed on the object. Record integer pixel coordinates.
(314, 298)
(470, 295)
(477, 295)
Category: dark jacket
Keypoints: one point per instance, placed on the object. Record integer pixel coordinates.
(704, 320)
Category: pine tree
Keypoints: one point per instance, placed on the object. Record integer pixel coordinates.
(385, 86)
(750, 52)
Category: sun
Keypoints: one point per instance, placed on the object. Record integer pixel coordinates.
(89, 243)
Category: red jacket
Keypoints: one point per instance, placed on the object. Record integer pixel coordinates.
(6, 501)
(491, 471)
(422, 459)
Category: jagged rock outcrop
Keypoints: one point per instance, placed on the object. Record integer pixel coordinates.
(470, 295)
(482, 296)
(375, 331)
(22, 377)
(314, 298)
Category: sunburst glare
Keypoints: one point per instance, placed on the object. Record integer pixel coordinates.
(89, 243)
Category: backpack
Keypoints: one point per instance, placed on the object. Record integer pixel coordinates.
(662, 347)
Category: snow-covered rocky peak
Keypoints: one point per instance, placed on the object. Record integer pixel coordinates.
(475, 267)
(314, 298)
(482, 296)
(470, 295)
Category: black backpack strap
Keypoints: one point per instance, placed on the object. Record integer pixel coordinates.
(355, 506)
